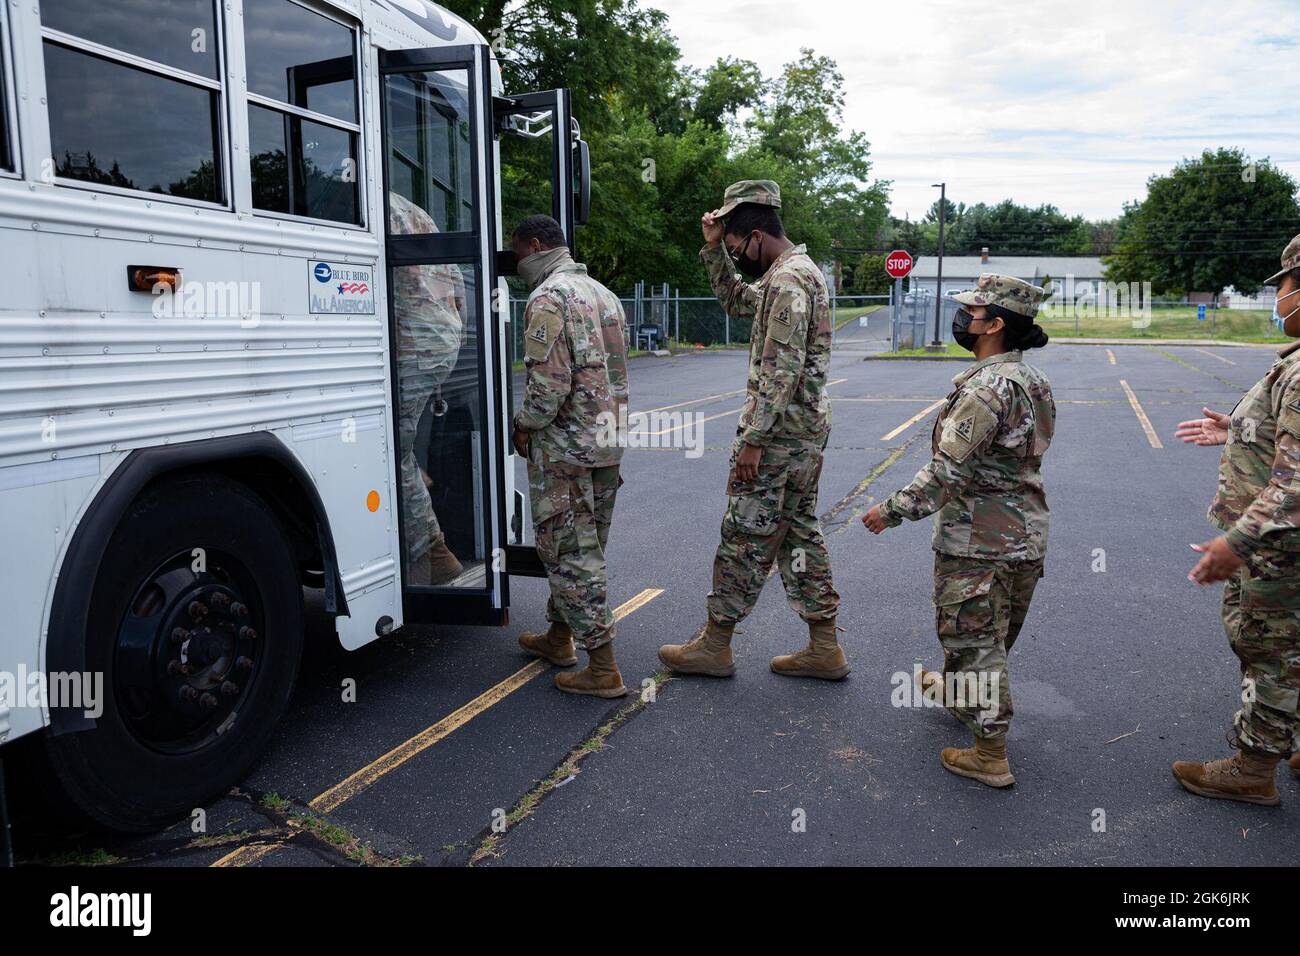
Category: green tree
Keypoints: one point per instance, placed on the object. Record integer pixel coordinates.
(870, 277)
(667, 140)
(1215, 221)
(724, 90)
(1009, 229)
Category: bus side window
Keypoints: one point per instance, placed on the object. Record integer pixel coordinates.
(303, 115)
(141, 108)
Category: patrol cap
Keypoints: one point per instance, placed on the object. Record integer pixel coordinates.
(1290, 260)
(1011, 293)
(764, 192)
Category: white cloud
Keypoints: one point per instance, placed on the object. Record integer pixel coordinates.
(1057, 101)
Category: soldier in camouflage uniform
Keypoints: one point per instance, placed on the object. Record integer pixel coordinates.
(429, 306)
(985, 491)
(1258, 509)
(567, 427)
(776, 459)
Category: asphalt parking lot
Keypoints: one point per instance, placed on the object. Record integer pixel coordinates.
(1118, 673)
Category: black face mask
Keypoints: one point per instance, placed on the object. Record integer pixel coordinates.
(961, 330)
(750, 267)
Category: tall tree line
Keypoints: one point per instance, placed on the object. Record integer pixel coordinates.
(667, 139)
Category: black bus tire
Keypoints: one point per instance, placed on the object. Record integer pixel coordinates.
(155, 755)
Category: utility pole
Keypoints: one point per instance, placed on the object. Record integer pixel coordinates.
(937, 344)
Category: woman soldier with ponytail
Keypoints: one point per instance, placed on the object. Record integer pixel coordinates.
(985, 491)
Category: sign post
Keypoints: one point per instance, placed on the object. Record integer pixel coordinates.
(898, 264)
(937, 344)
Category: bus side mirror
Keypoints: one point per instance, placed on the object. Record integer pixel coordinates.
(582, 183)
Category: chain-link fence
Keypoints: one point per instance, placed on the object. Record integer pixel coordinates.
(1159, 318)
(660, 317)
(663, 318)
(915, 321)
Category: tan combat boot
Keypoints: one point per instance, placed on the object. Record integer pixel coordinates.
(1246, 776)
(1294, 764)
(985, 762)
(555, 644)
(443, 565)
(822, 658)
(708, 654)
(600, 678)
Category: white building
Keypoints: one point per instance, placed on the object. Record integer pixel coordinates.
(962, 272)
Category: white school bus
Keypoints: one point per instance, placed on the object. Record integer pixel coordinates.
(250, 252)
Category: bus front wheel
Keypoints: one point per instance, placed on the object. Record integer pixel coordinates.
(194, 639)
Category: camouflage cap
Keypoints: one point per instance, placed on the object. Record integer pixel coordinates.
(1019, 296)
(1290, 260)
(761, 191)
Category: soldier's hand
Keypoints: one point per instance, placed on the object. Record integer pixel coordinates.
(1218, 562)
(712, 228)
(1211, 430)
(747, 462)
(874, 520)
(520, 440)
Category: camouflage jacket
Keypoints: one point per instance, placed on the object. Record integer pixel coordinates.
(984, 481)
(428, 300)
(1258, 502)
(789, 348)
(576, 355)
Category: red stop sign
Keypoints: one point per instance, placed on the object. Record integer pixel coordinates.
(899, 263)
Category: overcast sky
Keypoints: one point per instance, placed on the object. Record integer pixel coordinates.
(1072, 102)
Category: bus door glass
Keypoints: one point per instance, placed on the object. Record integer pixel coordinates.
(540, 156)
(445, 399)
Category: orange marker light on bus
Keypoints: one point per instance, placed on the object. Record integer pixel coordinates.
(153, 278)
(372, 501)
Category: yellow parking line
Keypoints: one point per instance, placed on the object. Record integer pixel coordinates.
(1152, 437)
(638, 602)
(695, 401)
(1219, 357)
(912, 421)
(712, 398)
(1111, 355)
(366, 776)
(847, 398)
(699, 421)
(247, 855)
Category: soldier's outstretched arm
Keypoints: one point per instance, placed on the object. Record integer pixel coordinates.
(738, 298)
(784, 351)
(549, 363)
(968, 432)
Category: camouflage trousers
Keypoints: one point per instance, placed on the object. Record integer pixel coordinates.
(774, 519)
(1261, 614)
(420, 523)
(572, 510)
(980, 606)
